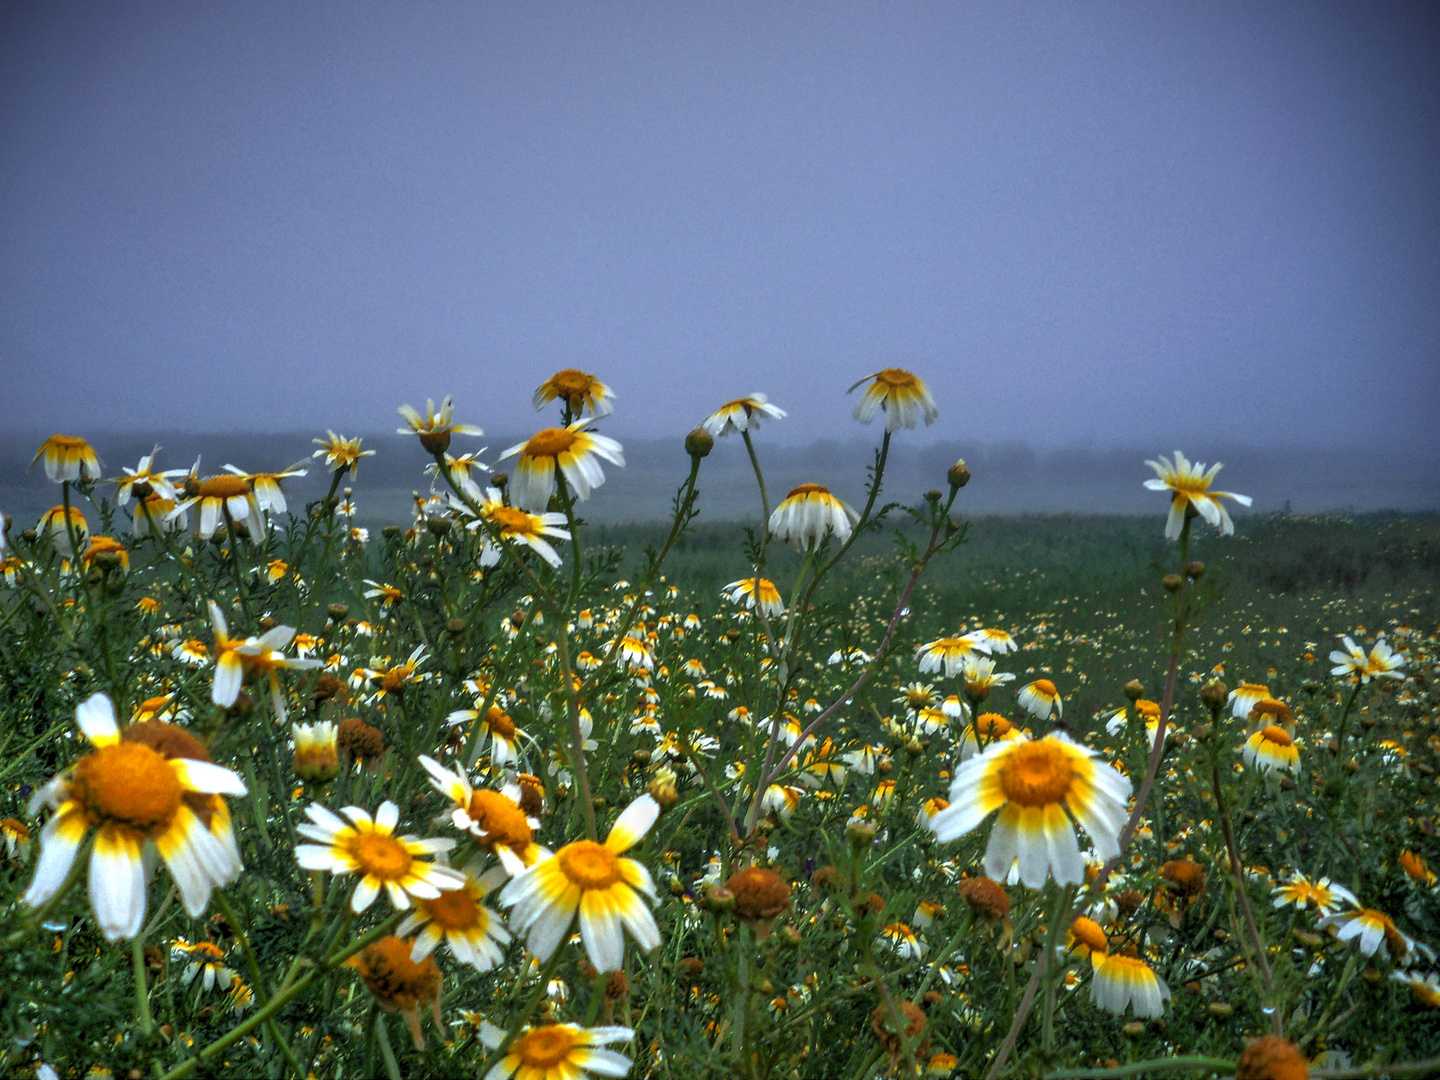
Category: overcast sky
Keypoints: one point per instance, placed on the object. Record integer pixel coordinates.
(1177, 223)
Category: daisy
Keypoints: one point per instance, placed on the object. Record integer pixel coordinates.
(434, 429)
(1425, 988)
(557, 1052)
(206, 960)
(751, 590)
(636, 653)
(903, 396)
(497, 727)
(741, 415)
(1190, 487)
(68, 458)
(981, 677)
(946, 653)
(808, 514)
(990, 728)
(106, 550)
(367, 847)
(1087, 938)
(954, 708)
(593, 881)
(1121, 980)
(1037, 786)
(1376, 932)
(144, 481)
(268, 494)
(781, 799)
(573, 451)
(1382, 663)
(1148, 711)
(992, 641)
(902, 941)
(1243, 698)
(227, 500)
(1040, 699)
(1271, 748)
(388, 595)
(1320, 896)
(141, 802)
(576, 390)
(515, 526)
(58, 525)
(929, 809)
(156, 513)
(340, 453)
(494, 818)
(475, 934)
(236, 661)
(400, 984)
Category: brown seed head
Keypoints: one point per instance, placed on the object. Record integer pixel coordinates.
(360, 740)
(1272, 1058)
(986, 898)
(760, 895)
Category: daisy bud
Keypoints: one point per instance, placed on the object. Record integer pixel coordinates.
(958, 474)
(456, 626)
(699, 443)
(717, 899)
(663, 791)
(933, 495)
(1195, 571)
(861, 835)
(1134, 1029)
(1134, 690)
(1202, 733)
(1172, 583)
(500, 480)
(1214, 694)
(390, 532)
(1221, 1010)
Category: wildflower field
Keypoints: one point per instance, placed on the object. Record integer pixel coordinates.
(864, 790)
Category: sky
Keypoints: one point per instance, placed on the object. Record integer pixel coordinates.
(1180, 224)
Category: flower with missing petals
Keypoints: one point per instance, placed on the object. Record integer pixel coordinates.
(576, 390)
(741, 415)
(516, 526)
(340, 453)
(237, 661)
(435, 429)
(494, 818)
(145, 480)
(224, 500)
(1189, 487)
(904, 397)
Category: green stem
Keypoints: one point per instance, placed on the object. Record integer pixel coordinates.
(142, 990)
(1148, 1068)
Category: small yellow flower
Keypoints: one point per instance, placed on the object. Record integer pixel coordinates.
(741, 415)
(571, 451)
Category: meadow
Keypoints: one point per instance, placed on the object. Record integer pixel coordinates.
(866, 791)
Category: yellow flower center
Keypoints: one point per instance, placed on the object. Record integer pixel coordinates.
(453, 910)
(550, 442)
(380, 855)
(589, 865)
(805, 490)
(224, 487)
(1150, 710)
(1277, 736)
(544, 1047)
(500, 820)
(894, 378)
(571, 383)
(129, 783)
(1087, 932)
(499, 724)
(67, 442)
(1036, 774)
(992, 724)
(509, 520)
(1045, 687)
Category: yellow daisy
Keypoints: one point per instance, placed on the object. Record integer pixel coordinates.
(104, 549)
(1189, 486)
(593, 881)
(145, 480)
(741, 415)
(806, 515)
(367, 847)
(68, 458)
(504, 737)
(557, 1052)
(237, 661)
(1322, 896)
(224, 500)
(476, 935)
(1037, 786)
(988, 728)
(576, 390)
(435, 429)
(904, 397)
(573, 451)
(57, 525)
(136, 796)
(1244, 697)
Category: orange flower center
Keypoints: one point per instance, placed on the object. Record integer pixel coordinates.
(499, 819)
(129, 783)
(499, 724)
(1087, 932)
(550, 442)
(1045, 687)
(380, 855)
(571, 383)
(510, 520)
(589, 865)
(1276, 709)
(1150, 710)
(224, 487)
(1036, 774)
(544, 1047)
(1277, 736)
(894, 378)
(993, 724)
(807, 490)
(453, 910)
(67, 442)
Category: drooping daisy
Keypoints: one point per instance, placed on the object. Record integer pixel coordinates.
(595, 882)
(367, 847)
(1271, 748)
(1148, 712)
(1121, 980)
(741, 415)
(236, 661)
(204, 960)
(1189, 486)
(576, 390)
(494, 818)
(463, 470)
(498, 729)
(1424, 988)
(1034, 784)
(808, 514)
(68, 458)
(573, 451)
(991, 640)
(636, 653)
(1243, 698)
(136, 796)
(223, 499)
(1382, 663)
(1374, 931)
(105, 549)
(475, 934)
(557, 1052)
(58, 526)
(145, 480)
(1040, 699)
(751, 590)
(340, 453)
(902, 941)
(988, 728)
(1087, 938)
(781, 799)
(515, 526)
(435, 429)
(904, 397)
(157, 514)
(1319, 896)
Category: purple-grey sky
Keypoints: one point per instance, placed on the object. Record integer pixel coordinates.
(1095, 223)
